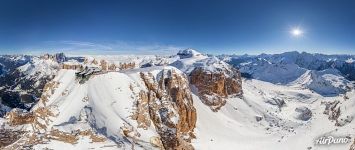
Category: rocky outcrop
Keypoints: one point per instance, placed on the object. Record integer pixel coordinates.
(352, 147)
(62, 136)
(104, 65)
(71, 66)
(124, 66)
(59, 57)
(276, 101)
(18, 117)
(332, 109)
(74, 136)
(112, 67)
(8, 137)
(168, 104)
(215, 87)
(303, 113)
(213, 80)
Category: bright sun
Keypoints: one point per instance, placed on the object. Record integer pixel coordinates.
(296, 32)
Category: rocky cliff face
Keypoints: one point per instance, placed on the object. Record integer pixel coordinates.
(170, 106)
(352, 147)
(213, 79)
(59, 57)
(332, 109)
(8, 137)
(215, 87)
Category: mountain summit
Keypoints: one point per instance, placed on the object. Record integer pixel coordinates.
(188, 53)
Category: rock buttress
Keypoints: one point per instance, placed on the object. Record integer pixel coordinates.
(169, 103)
(215, 86)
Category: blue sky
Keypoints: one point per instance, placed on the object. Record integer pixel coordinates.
(165, 26)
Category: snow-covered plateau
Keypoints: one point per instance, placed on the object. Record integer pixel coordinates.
(185, 101)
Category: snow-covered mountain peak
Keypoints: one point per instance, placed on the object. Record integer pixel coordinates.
(58, 57)
(40, 67)
(197, 60)
(188, 53)
(326, 82)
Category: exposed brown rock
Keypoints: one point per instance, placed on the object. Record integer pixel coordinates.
(39, 117)
(48, 90)
(42, 114)
(94, 62)
(129, 132)
(73, 137)
(352, 147)
(215, 87)
(332, 109)
(94, 137)
(7, 137)
(142, 112)
(156, 142)
(112, 67)
(71, 66)
(16, 117)
(42, 118)
(130, 65)
(34, 139)
(55, 134)
(169, 104)
(103, 65)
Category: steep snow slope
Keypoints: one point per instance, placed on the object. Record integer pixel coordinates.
(103, 104)
(69, 103)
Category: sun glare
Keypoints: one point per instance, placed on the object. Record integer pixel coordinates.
(296, 32)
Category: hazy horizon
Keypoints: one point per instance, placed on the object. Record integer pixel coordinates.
(82, 53)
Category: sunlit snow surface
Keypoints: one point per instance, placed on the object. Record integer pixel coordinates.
(107, 100)
(234, 126)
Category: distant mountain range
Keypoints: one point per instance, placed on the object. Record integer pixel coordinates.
(325, 74)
